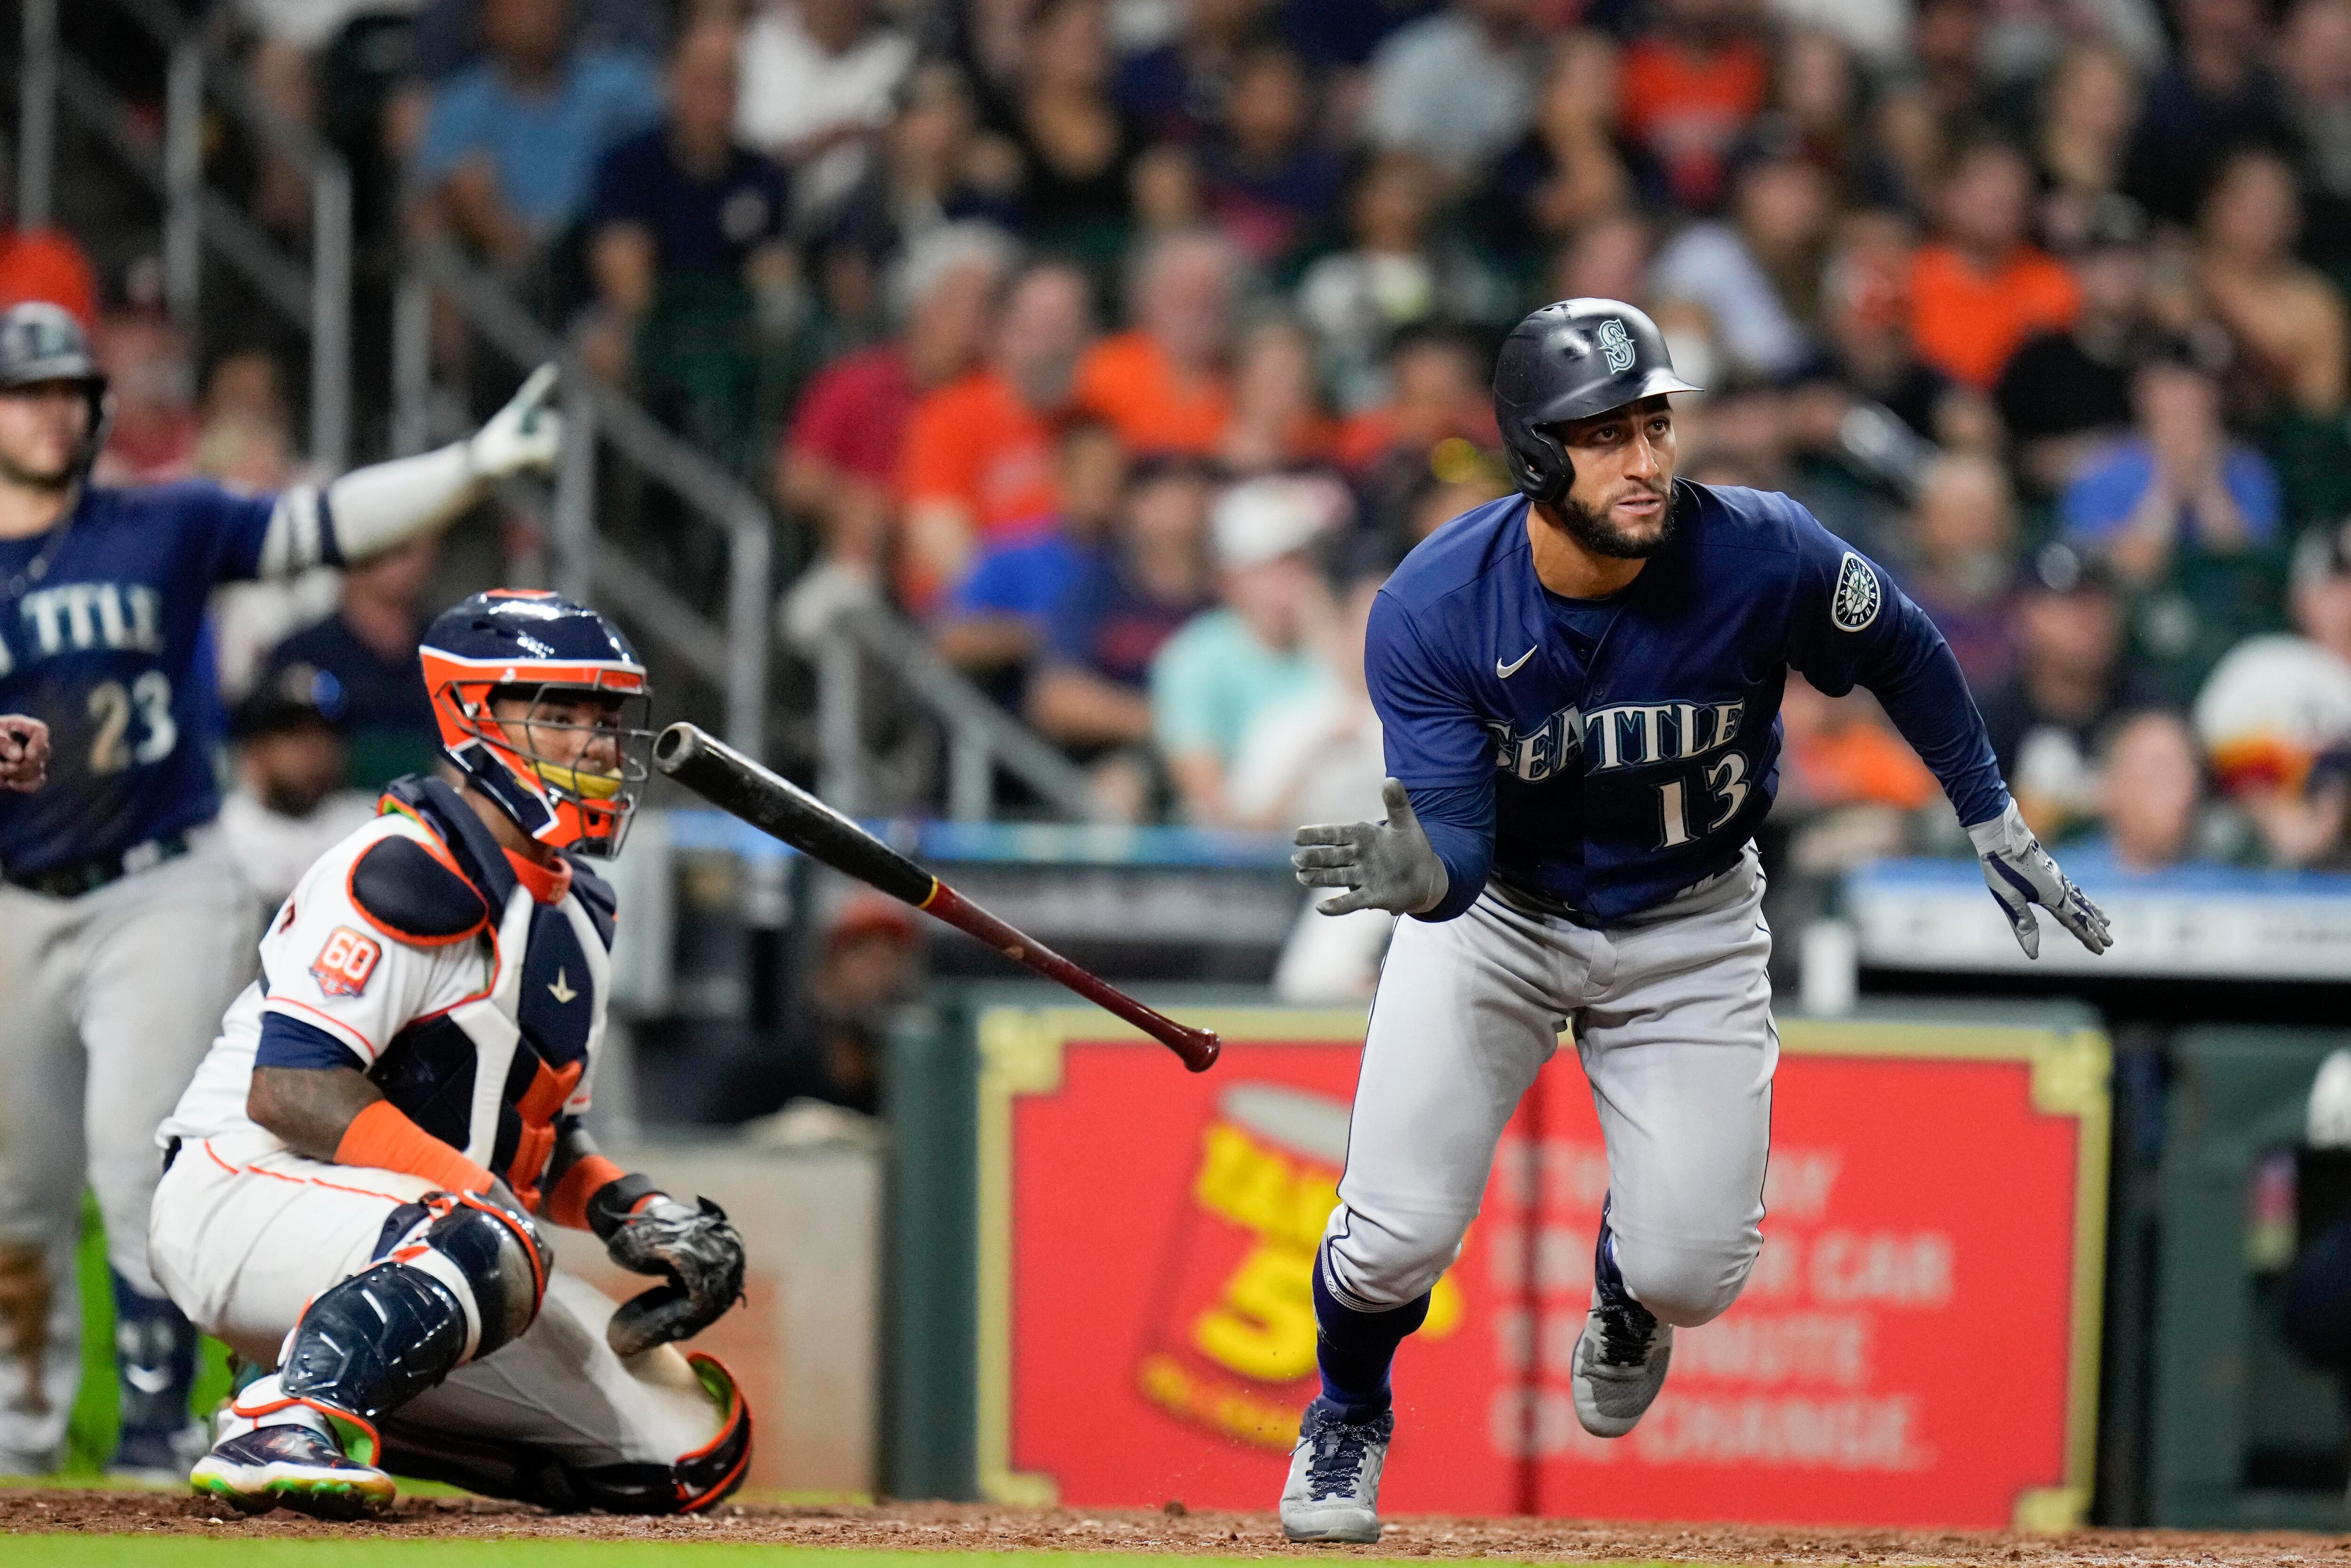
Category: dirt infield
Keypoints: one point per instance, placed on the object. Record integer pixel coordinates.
(951, 1527)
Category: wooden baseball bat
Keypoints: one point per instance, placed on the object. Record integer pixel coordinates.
(782, 809)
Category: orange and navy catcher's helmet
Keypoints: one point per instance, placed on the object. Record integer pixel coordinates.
(523, 646)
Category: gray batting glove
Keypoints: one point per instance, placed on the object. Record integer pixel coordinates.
(526, 434)
(2019, 874)
(1384, 865)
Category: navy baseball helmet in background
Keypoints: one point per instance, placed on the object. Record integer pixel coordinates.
(40, 344)
(1571, 360)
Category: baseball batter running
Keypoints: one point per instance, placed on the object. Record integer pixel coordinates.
(1580, 687)
(351, 1181)
(123, 931)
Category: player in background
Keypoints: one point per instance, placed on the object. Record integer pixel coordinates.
(1578, 688)
(350, 1180)
(123, 931)
(23, 753)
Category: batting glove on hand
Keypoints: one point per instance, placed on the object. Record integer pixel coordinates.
(2019, 874)
(526, 434)
(1384, 865)
(699, 1252)
(23, 753)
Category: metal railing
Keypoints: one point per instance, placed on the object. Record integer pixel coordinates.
(315, 297)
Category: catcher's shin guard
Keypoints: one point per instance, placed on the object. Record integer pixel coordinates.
(525, 1473)
(462, 1279)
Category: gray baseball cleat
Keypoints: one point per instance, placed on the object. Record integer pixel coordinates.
(1621, 1356)
(1335, 1476)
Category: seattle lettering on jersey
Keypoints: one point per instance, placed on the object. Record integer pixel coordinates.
(1627, 735)
(81, 616)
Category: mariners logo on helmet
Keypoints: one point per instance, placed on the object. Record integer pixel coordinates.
(1854, 604)
(1615, 345)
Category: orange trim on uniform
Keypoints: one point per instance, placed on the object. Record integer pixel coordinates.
(738, 1413)
(530, 1243)
(536, 1109)
(431, 846)
(333, 1414)
(384, 1136)
(548, 884)
(589, 1174)
(298, 1181)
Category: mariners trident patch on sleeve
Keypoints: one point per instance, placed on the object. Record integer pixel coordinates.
(344, 965)
(1854, 603)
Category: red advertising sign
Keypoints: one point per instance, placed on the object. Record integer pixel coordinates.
(1918, 1344)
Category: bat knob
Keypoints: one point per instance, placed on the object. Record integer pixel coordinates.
(1209, 1046)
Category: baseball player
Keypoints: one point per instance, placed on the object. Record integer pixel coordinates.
(123, 931)
(350, 1179)
(1579, 687)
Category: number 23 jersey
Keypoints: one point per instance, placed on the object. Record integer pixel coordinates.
(102, 637)
(1633, 744)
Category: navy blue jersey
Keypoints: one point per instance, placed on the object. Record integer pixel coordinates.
(1624, 772)
(108, 648)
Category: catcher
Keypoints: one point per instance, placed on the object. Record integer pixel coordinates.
(354, 1181)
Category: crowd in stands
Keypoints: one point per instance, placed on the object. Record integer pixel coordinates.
(1125, 345)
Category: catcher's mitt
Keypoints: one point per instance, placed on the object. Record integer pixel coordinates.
(698, 1252)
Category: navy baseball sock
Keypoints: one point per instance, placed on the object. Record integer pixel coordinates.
(155, 1350)
(1356, 1348)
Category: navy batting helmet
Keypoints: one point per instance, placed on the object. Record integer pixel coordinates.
(1571, 360)
(41, 342)
(527, 642)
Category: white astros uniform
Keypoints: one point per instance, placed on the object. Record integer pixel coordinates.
(245, 1232)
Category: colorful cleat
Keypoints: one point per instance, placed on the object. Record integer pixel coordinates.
(290, 1465)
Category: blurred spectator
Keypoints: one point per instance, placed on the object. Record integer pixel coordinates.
(1278, 420)
(1876, 30)
(2314, 58)
(291, 803)
(1399, 272)
(977, 460)
(1092, 695)
(1416, 99)
(151, 377)
(1870, 363)
(1609, 259)
(1180, 88)
(451, 36)
(1228, 665)
(2150, 791)
(1165, 188)
(364, 658)
(511, 143)
(1754, 277)
(1963, 532)
(1077, 146)
(1980, 287)
(2070, 684)
(1163, 384)
(995, 618)
(2178, 485)
(844, 453)
(2277, 704)
(1345, 34)
(869, 965)
(1691, 84)
(820, 82)
(1437, 398)
(1269, 185)
(245, 435)
(1316, 757)
(932, 169)
(1571, 166)
(1841, 752)
(2024, 39)
(2217, 94)
(43, 262)
(683, 206)
(1820, 101)
(2087, 106)
(2065, 394)
(2288, 320)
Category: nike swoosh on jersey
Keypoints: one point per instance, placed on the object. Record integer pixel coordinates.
(1512, 668)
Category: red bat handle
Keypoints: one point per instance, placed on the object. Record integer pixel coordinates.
(1198, 1047)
